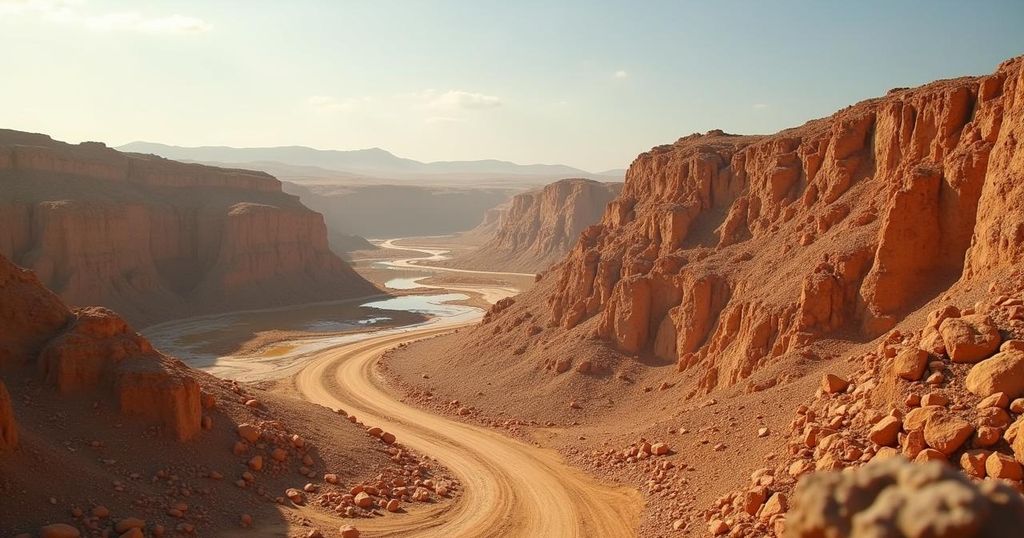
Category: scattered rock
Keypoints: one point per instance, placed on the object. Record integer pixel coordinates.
(59, 530)
(999, 399)
(1003, 372)
(970, 338)
(910, 364)
(296, 496)
(946, 433)
(249, 432)
(885, 431)
(362, 500)
(717, 527)
(999, 465)
(833, 384)
(895, 498)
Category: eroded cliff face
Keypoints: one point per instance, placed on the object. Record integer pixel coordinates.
(89, 350)
(539, 227)
(157, 239)
(724, 252)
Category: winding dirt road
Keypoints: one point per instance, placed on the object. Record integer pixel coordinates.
(509, 488)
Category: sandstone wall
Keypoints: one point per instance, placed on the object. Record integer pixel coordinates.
(89, 350)
(723, 252)
(157, 239)
(539, 227)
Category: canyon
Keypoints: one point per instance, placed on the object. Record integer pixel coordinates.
(818, 332)
(385, 210)
(156, 239)
(101, 433)
(537, 228)
(745, 297)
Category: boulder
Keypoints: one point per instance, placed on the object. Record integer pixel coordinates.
(776, 505)
(885, 432)
(833, 384)
(1017, 441)
(946, 432)
(362, 500)
(972, 462)
(999, 465)
(910, 364)
(999, 399)
(919, 416)
(895, 498)
(249, 432)
(1003, 372)
(970, 338)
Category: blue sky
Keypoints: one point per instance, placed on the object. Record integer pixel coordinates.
(584, 83)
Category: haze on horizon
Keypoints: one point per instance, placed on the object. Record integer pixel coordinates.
(575, 83)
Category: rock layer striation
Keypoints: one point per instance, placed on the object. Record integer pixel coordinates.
(539, 227)
(725, 252)
(157, 239)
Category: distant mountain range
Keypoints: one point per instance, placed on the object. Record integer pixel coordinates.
(375, 163)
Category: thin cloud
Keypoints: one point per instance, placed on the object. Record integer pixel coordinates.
(464, 100)
(760, 106)
(173, 24)
(620, 74)
(326, 103)
(429, 106)
(67, 12)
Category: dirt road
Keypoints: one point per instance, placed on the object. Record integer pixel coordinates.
(510, 489)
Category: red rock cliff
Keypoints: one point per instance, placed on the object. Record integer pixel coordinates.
(89, 350)
(158, 239)
(539, 227)
(723, 252)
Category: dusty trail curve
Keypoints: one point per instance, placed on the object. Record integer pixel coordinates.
(510, 489)
(435, 255)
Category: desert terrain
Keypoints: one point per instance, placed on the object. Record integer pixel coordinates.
(815, 332)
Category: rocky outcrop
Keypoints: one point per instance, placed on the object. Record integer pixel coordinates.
(157, 239)
(897, 498)
(913, 397)
(725, 252)
(539, 227)
(91, 350)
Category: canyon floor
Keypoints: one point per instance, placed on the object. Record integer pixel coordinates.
(508, 485)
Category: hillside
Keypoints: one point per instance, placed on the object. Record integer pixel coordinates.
(157, 239)
(373, 162)
(539, 227)
(732, 272)
(99, 432)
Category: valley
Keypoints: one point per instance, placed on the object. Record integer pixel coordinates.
(371, 270)
(529, 489)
